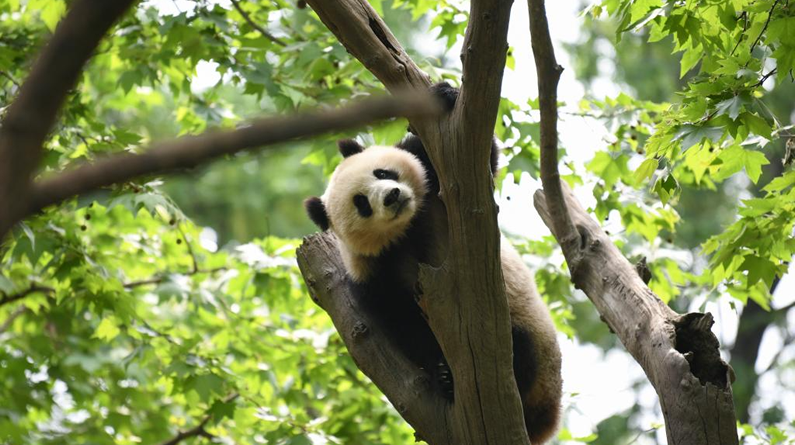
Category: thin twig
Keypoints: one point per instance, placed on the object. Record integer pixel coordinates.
(254, 25)
(608, 115)
(198, 430)
(6, 299)
(191, 151)
(190, 250)
(764, 28)
(765, 77)
(744, 15)
(640, 434)
(161, 278)
(8, 76)
(10, 320)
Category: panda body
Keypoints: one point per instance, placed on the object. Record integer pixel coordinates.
(382, 204)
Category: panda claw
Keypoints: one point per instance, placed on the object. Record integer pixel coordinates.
(444, 378)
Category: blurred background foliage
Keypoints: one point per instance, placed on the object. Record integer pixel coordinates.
(172, 307)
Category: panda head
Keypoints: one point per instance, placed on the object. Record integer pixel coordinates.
(371, 198)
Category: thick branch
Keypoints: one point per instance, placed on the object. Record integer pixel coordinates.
(365, 35)
(31, 116)
(464, 298)
(679, 353)
(405, 385)
(483, 60)
(192, 151)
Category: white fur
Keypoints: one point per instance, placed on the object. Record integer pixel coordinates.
(361, 238)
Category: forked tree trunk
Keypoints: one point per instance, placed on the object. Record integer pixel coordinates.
(679, 353)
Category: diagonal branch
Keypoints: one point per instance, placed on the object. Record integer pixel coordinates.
(31, 116)
(548, 72)
(191, 151)
(371, 348)
(365, 35)
(678, 353)
(10, 320)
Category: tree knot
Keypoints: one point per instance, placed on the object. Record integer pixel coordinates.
(699, 346)
(359, 330)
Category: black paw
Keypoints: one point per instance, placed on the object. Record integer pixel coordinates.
(444, 377)
(446, 93)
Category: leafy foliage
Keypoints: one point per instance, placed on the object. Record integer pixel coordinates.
(123, 321)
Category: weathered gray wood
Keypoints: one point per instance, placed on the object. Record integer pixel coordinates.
(678, 353)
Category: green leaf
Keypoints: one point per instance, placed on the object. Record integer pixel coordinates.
(736, 158)
(759, 269)
(781, 183)
(730, 107)
(689, 59)
(691, 135)
(53, 13)
(608, 168)
(6, 285)
(206, 386)
(666, 188)
(107, 329)
(757, 125)
(646, 170)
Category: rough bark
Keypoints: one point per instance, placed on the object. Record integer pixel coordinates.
(678, 353)
(467, 311)
(31, 116)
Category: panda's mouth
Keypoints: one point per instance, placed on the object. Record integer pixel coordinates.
(400, 206)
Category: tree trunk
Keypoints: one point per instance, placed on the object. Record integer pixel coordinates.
(678, 353)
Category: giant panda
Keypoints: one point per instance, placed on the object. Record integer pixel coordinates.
(382, 204)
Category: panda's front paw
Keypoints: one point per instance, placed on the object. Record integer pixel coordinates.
(444, 378)
(446, 93)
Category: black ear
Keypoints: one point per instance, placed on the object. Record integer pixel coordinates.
(317, 212)
(349, 147)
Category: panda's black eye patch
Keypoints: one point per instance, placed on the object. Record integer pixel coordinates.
(385, 174)
(363, 206)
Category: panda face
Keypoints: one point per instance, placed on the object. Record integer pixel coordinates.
(373, 196)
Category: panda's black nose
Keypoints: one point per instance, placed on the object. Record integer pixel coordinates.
(392, 197)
